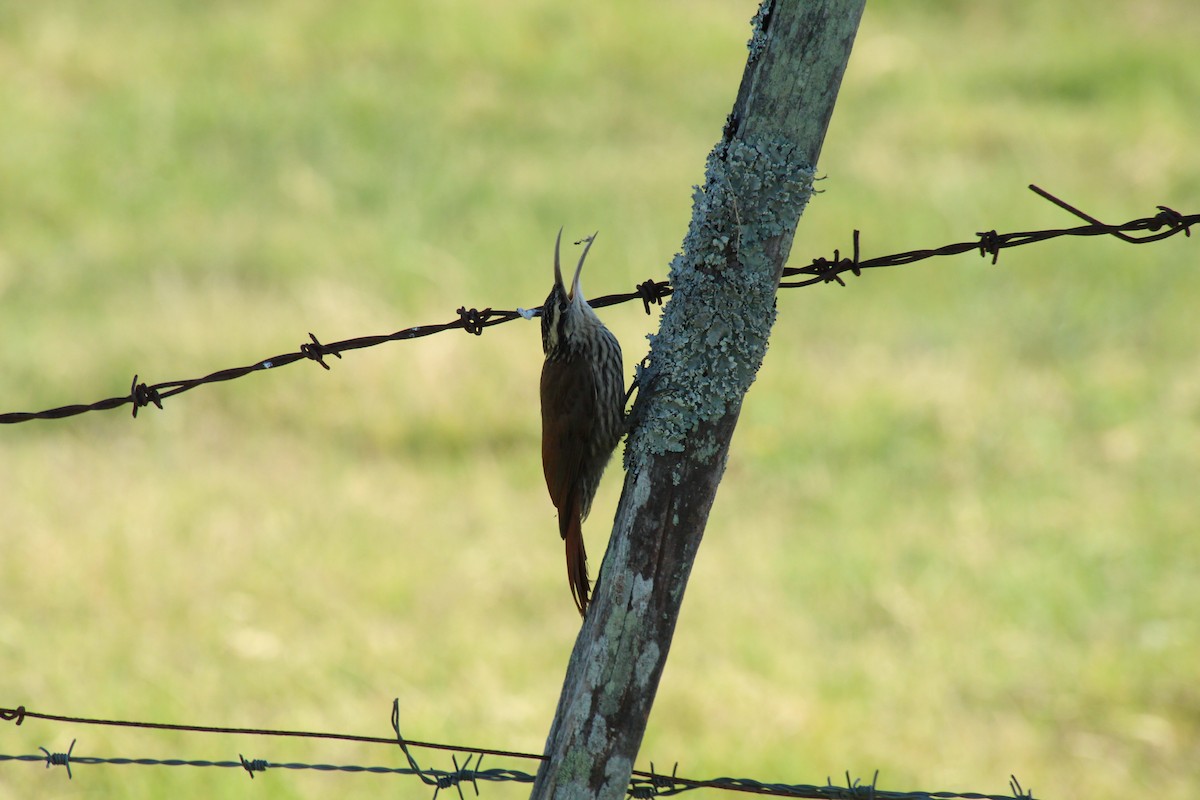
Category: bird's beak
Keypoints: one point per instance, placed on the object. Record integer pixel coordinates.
(575, 290)
(558, 281)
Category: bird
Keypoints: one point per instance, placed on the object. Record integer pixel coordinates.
(583, 410)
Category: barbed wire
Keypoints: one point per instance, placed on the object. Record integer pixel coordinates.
(642, 784)
(1167, 222)
(440, 778)
(991, 242)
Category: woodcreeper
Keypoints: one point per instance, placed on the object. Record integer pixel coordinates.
(583, 410)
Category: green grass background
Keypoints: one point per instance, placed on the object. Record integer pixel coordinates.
(958, 536)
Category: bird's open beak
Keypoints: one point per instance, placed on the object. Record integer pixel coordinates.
(576, 291)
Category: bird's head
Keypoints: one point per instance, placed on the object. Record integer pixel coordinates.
(565, 308)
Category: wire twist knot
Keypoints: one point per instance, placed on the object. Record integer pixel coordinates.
(13, 714)
(60, 759)
(1173, 219)
(989, 244)
(251, 767)
(316, 351)
(143, 395)
(652, 291)
(643, 788)
(473, 319)
(830, 270)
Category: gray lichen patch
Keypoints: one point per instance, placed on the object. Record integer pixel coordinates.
(616, 656)
(647, 664)
(616, 776)
(758, 30)
(717, 323)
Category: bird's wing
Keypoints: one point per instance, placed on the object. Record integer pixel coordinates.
(567, 421)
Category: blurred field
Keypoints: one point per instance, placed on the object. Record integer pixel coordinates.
(958, 537)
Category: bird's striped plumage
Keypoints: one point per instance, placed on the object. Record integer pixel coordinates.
(583, 399)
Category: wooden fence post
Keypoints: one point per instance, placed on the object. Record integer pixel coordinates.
(709, 347)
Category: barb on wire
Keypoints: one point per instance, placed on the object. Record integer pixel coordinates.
(60, 759)
(1167, 222)
(656, 785)
(1017, 791)
(314, 350)
(251, 767)
(436, 778)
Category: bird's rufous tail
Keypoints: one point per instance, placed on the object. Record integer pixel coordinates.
(570, 525)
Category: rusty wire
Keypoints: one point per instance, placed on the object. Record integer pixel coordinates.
(1167, 222)
(642, 784)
